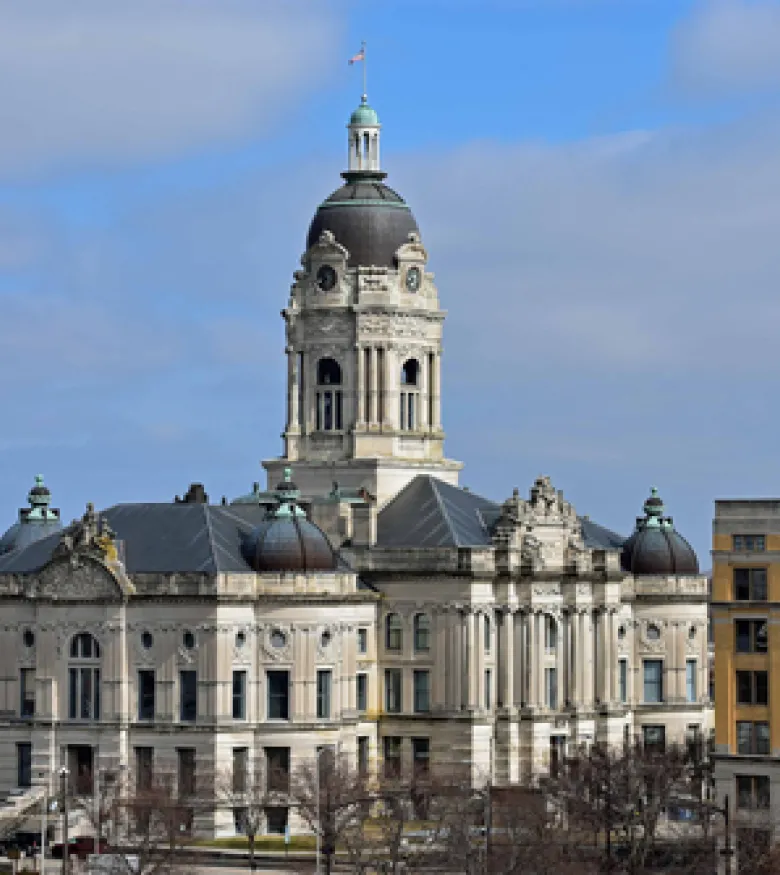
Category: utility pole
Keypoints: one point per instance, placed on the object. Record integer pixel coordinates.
(64, 793)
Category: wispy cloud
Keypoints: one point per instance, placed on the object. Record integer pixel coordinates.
(728, 46)
(89, 82)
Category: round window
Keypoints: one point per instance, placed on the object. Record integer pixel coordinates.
(653, 632)
(28, 637)
(147, 640)
(278, 638)
(240, 639)
(188, 640)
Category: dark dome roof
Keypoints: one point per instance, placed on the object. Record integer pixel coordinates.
(286, 540)
(655, 547)
(367, 218)
(289, 544)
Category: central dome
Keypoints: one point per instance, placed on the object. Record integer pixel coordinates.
(367, 218)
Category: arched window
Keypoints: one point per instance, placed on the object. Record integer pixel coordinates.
(329, 399)
(393, 632)
(488, 642)
(550, 633)
(422, 633)
(409, 395)
(84, 678)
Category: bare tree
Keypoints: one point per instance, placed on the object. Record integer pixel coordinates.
(247, 789)
(334, 799)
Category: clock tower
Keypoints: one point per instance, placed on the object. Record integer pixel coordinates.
(363, 331)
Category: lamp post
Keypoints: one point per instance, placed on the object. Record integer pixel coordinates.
(64, 793)
(727, 851)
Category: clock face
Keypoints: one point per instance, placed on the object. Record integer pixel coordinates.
(413, 279)
(326, 278)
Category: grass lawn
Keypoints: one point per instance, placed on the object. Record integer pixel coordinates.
(262, 843)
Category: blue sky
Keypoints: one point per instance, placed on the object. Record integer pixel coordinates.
(596, 182)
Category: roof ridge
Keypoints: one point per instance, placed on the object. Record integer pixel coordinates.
(443, 507)
(210, 531)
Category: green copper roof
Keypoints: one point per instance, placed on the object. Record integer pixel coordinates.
(364, 115)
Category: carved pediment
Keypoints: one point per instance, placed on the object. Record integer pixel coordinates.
(80, 578)
(412, 250)
(327, 248)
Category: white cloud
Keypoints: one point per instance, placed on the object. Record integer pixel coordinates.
(729, 46)
(87, 81)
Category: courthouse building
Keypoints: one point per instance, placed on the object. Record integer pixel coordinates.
(372, 604)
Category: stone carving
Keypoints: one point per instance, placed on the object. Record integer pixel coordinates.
(393, 326)
(77, 578)
(547, 589)
(89, 536)
(327, 327)
(648, 639)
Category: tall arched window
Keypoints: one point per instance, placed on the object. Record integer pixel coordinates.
(488, 636)
(409, 395)
(422, 633)
(84, 678)
(329, 401)
(393, 632)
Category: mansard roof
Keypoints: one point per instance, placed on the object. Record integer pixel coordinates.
(431, 513)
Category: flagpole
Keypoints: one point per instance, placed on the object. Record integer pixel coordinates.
(365, 92)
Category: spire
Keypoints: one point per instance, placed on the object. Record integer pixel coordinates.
(287, 496)
(363, 142)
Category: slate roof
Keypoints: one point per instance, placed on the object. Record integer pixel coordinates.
(431, 513)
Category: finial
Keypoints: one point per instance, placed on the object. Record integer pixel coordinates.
(654, 509)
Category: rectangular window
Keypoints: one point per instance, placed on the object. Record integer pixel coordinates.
(144, 767)
(324, 678)
(24, 765)
(551, 687)
(239, 695)
(362, 755)
(362, 692)
(488, 689)
(392, 756)
(623, 680)
(421, 756)
(750, 636)
(488, 635)
(276, 817)
(752, 791)
(422, 692)
(750, 584)
(188, 695)
(550, 634)
(27, 692)
(277, 769)
(690, 680)
(240, 765)
(362, 640)
(278, 695)
(146, 694)
(186, 757)
(654, 738)
(393, 690)
(748, 544)
(752, 688)
(422, 633)
(653, 680)
(752, 738)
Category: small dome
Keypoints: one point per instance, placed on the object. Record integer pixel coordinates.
(286, 540)
(35, 522)
(364, 115)
(655, 547)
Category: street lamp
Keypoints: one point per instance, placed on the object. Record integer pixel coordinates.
(727, 851)
(64, 793)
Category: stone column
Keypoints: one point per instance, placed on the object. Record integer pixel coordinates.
(541, 662)
(472, 657)
(613, 637)
(292, 389)
(671, 665)
(373, 391)
(507, 657)
(436, 392)
(582, 652)
(390, 383)
(591, 653)
(422, 393)
(682, 665)
(532, 658)
(360, 391)
(456, 660)
(560, 665)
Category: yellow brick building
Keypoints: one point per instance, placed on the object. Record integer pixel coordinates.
(746, 632)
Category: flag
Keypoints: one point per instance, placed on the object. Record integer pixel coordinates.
(360, 56)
